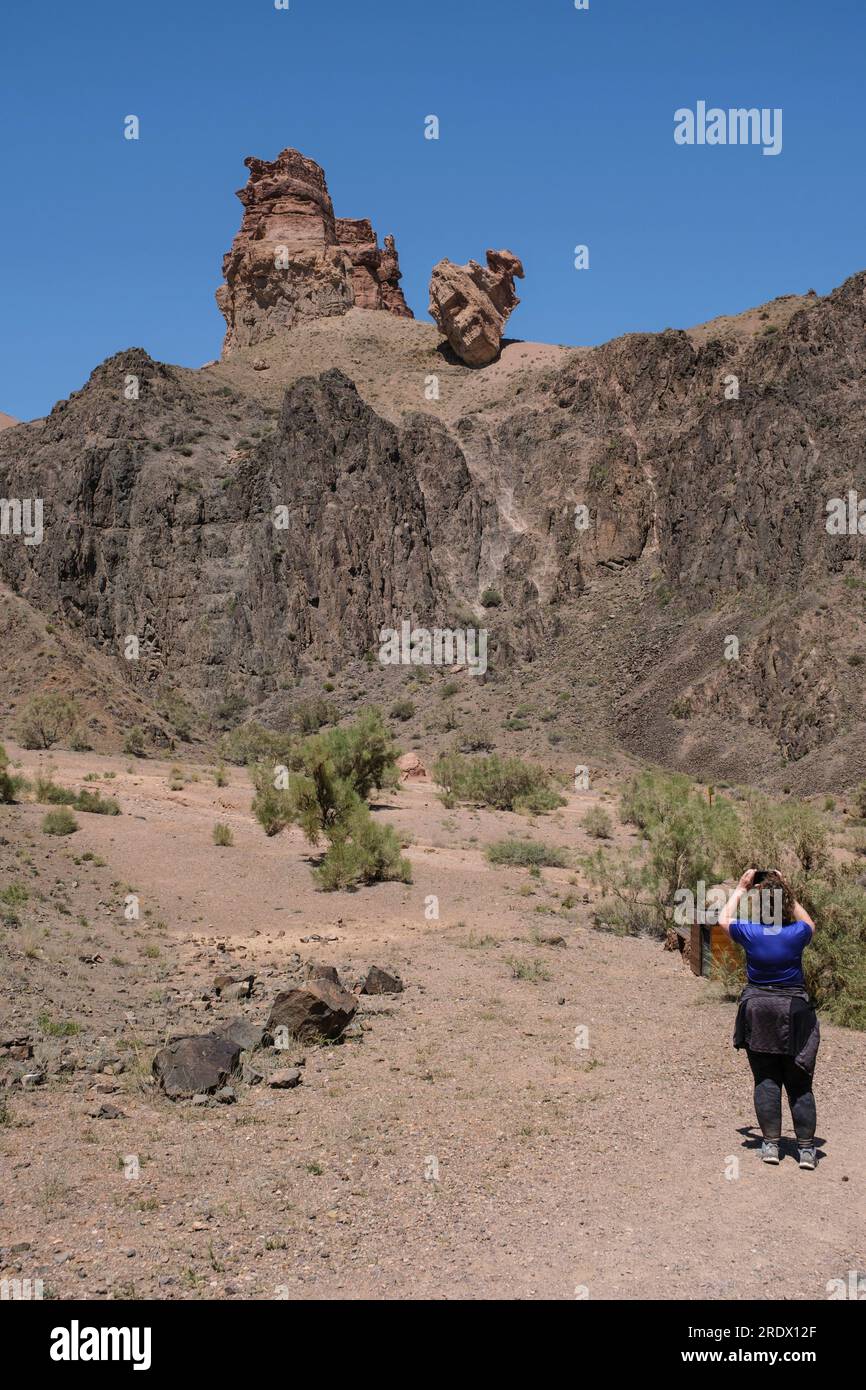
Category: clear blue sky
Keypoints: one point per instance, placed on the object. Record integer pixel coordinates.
(556, 129)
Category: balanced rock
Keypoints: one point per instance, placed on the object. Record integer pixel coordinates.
(196, 1065)
(319, 1009)
(293, 260)
(471, 304)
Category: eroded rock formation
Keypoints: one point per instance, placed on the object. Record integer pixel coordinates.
(471, 304)
(293, 260)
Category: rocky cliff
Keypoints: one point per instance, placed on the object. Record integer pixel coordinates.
(634, 506)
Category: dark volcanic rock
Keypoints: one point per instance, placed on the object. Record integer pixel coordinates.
(379, 981)
(318, 1010)
(196, 1065)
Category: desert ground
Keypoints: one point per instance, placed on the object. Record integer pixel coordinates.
(457, 1144)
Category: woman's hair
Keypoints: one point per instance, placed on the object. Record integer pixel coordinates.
(772, 882)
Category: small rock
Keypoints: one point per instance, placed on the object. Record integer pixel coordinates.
(106, 1111)
(379, 981)
(285, 1079)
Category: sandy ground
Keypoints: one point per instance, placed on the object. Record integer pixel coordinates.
(462, 1147)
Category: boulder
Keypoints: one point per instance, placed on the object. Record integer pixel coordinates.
(379, 981)
(410, 766)
(196, 1065)
(318, 1010)
(471, 304)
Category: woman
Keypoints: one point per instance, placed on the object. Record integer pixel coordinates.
(776, 1020)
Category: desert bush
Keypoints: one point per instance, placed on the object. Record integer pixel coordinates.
(133, 744)
(360, 851)
(45, 720)
(329, 777)
(507, 784)
(51, 793)
(526, 853)
(401, 709)
(10, 785)
(475, 739)
(860, 799)
(835, 963)
(251, 742)
(222, 835)
(60, 821)
(491, 598)
(597, 823)
(96, 804)
(178, 712)
(309, 716)
(220, 775)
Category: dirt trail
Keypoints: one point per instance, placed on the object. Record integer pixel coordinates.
(560, 1169)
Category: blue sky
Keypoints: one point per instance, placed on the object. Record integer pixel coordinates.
(556, 129)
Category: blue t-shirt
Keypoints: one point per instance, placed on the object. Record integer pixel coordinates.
(774, 955)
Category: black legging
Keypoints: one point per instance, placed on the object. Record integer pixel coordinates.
(772, 1071)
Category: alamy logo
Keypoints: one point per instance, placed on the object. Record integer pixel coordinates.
(441, 646)
(22, 518)
(77, 1343)
(21, 1290)
(736, 126)
(846, 516)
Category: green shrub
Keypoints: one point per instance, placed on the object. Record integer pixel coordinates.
(133, 744)
(860, 799)
(491, 598)
(597, 823)
(59, 822)
(309, 716)
(178, 712)
(506, 784)
(220, 775)
(45, 720)
(475, 739)
(251, 742)
(47, 791)
(526, 853)
(329, 777)
(360, 851)
(9, 784)
(53, 794)
(222, 835)
(401, 709)
(96, 804)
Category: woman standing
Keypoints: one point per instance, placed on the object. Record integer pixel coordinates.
(776, 1020)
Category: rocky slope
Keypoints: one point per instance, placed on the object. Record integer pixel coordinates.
(704, 459)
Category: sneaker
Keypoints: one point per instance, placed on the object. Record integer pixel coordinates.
(807, 1158)
(770, 1151)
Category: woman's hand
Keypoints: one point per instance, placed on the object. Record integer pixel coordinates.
(729, 911)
